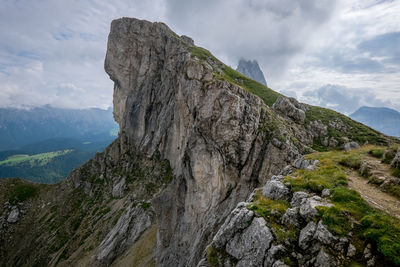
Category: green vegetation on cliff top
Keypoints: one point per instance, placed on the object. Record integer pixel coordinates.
(355, 130)
(372, 225)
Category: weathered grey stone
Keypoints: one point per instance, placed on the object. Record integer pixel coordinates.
(287, 170)
(367, 252)
(371, 262)
(189, 41)
(13, 217)
(323, 259)
(291, 108)
(350, 145)
(291, 217)
(238, 220)
(317, 129)
(118, 189)
(132, 223)
(275, 189)
(307, 207)
(323, 235)
(279, 263)
(302, 163)
(365, 168)
(396, 160)
(298, 198)
(307, 235)
(351, 251)
(277, 177)
(250, 246)
(326, 192)
(273, 254)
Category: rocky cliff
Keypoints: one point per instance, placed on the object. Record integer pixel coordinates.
(252, 70)
(196, 138)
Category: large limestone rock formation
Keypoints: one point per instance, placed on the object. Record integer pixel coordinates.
(167, 101)
(193, 143)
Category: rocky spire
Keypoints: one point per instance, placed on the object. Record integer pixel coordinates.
(252, 70)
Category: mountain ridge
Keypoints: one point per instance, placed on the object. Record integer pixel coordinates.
(196, 138)
(383, 119)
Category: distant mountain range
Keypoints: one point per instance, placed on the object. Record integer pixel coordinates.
(44, 144)
(385, 120)
(251, 69)
(19, 127)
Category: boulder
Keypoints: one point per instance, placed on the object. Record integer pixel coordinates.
(396, 160)
(323, 235)
(298, 198)
(308, 207)
(238, 220)
(302, 163)
(291, 217)
(317, 129)
(13, 217)
(291, 108)
(307, 235)
(350, 145)
(250, 246)
(275, 190)
(326, 192)
(118, 189)
(323, 259)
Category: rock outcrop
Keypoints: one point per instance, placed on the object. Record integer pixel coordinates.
(193, 143)
(291, 108)
(396, 160)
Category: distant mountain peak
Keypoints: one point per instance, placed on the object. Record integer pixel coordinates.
(251, 69)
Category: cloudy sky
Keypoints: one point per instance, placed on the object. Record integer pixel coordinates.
(341, 54)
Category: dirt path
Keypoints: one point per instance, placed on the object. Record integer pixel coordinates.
(373, 195)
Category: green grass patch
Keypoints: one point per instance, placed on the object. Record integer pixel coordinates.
(21, 192)
(37, 159)
(335, 219)
(268, 95)
(377, 153)
(352, 161)
(355, 131)
(201, 53)
(389, 154)
(267, 208)
(376, 226)
(385, 232)
(395, 172)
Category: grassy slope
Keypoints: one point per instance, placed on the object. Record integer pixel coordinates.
(356, 131)
(373, 225)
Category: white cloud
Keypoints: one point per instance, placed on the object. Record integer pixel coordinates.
(301, 45)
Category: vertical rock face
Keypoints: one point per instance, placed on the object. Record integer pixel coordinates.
(252, 70)
(167, 101)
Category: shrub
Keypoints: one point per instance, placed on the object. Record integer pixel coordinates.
(377, 153)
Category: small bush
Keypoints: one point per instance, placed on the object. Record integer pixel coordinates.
(145, 205)
(335, 219)
(384, 231)
(377, 153)
(396, 172)
(351, 161)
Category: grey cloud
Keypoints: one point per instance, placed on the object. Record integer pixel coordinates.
(344, 99)
(385, 45)
(272, 31)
